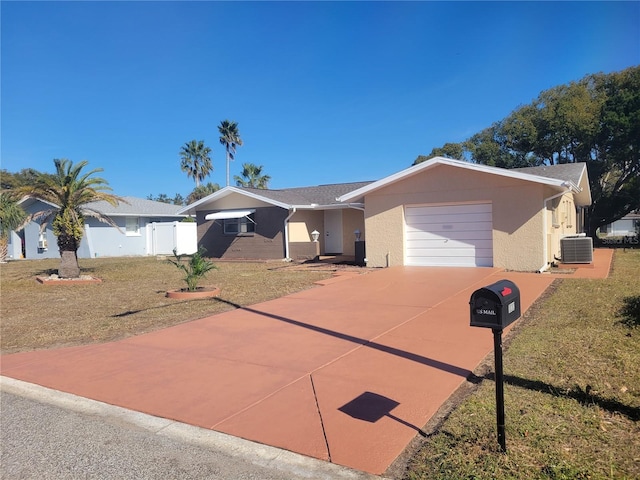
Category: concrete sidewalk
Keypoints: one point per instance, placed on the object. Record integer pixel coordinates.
(348, 372)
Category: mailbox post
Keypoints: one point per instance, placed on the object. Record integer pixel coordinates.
(496, 306)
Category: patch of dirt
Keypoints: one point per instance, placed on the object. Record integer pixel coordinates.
(337, 268)
(54, 279)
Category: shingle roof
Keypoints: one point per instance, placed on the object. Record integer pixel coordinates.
(571, 172)
(318, 195)
(138, 207)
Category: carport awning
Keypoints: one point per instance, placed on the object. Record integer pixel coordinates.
(225, 214)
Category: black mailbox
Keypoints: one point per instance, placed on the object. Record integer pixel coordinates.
(495, 306)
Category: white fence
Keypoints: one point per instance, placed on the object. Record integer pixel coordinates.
(165, 236)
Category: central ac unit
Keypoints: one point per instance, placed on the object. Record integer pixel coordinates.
(576, 249)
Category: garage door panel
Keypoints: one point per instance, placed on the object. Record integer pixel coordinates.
(461, 251)
(451, 262)
(452, 218)
(447, 230)
(447, 209)
(449, 244)
(449, 235)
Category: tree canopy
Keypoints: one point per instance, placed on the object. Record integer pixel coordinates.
(252, 177)
(202, 191)
(68, 192)
(177, 199)
(196, 160)
(12, 217)
(595, 120)
(10, 181)
(230, 138)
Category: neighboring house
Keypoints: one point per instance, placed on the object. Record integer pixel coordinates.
(445, 212)
(629, 225)
(251, 223)
(145, 228)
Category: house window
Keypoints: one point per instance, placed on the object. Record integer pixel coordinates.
(239, 226)
(132, 227)
(42, 241)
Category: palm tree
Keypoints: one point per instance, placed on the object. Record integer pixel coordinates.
(68, 191)
(252, 177)
(12, 217)
(196, 160)
(230, 138)
(202, 191)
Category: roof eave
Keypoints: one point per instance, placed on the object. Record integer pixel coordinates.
(150, 215)
(361, 192)
(223, 192)
(330, 206)
(26, 198)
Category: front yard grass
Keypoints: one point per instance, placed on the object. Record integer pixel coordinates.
(572, 393)
(130, 301)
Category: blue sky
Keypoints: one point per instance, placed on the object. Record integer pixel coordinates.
(323, 92)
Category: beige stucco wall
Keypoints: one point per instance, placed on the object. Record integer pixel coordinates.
(303, 222)
(518, 214)
(235, 201)
(561, 221)
(352, 220)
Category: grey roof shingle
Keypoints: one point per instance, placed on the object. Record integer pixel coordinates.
(566, 171)
(137, 207)
(318, 195)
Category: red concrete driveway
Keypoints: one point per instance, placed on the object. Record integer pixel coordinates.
(347, 372)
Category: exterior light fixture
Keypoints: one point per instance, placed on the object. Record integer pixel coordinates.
(357, 234)
(315, 235)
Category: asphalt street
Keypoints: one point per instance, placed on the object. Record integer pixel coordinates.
(46, 434)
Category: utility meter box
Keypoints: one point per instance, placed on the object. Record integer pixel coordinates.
(495, 306)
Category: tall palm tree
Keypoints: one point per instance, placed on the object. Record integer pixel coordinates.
(12, 217)
(68, 191)
(196, 160)
(252, 177)
(230, 138)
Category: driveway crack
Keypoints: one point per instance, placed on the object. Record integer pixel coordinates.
(324, 433)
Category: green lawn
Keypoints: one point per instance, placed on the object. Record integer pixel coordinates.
(130, 301)
(572, 392)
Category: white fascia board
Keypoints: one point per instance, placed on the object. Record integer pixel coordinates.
(146, 215)
(583, 189)
(435, 161)
(332, 206)
(223, 192)
(27, 198)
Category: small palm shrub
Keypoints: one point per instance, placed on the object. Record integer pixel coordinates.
(194, 269)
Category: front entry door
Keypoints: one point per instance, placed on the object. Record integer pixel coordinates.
(333, 232)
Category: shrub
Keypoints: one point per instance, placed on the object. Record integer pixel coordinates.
(194, 269)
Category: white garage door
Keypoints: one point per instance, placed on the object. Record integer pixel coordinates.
(449, 235)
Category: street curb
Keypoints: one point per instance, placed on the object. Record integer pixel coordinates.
(252, 452)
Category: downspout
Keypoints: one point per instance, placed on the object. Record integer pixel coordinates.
(545, 265)
(286, 234)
